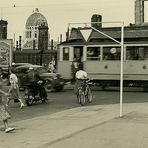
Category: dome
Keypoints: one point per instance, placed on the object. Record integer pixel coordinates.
(36, 19)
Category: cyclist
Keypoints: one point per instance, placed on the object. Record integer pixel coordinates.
(81, 76)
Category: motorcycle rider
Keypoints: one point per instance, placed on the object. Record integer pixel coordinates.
(33, 79)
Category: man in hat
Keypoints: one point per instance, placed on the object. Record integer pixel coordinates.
(33, 79)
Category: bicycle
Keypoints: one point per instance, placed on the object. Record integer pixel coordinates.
(84, 93)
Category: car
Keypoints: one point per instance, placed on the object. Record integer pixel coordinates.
(6, 68)
(14, 65)
(53, 81)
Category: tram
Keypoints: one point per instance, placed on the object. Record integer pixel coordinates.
(101, 56)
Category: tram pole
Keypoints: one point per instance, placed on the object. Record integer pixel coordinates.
(121, 69)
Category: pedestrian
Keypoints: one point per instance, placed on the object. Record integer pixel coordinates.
(53, 62)
(14, 89)
(51, 67)
(74, 69)
(4, 114)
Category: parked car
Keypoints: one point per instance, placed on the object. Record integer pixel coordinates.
(5, 68)
(14, 65)
(53, 81)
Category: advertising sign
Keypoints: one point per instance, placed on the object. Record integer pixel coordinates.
(5, 52)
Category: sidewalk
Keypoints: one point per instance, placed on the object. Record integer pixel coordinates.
(41, 132)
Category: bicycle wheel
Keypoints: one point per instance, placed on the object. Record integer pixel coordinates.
(28, 98)
(82, 98)
(89, 95)
(78, 95)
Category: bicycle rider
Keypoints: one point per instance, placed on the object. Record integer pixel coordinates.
(81, 76)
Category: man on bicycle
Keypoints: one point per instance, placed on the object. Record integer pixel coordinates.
(82, 89)
(81, 76)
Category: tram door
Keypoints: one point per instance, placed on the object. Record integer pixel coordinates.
(64, 61)
(65, 58)
(78, 53)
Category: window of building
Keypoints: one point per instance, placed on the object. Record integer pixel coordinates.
(27, 34)
(4, 29)
(30, 34)
(35, 35)
(93, 53)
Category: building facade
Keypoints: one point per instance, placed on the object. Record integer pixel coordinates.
(3, 29)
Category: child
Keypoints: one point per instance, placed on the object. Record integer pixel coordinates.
(4, 114)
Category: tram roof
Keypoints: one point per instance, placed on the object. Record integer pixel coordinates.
(34, 51)
(130, 33)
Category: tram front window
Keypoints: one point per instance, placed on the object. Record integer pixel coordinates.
(111, 53)
(93, 53)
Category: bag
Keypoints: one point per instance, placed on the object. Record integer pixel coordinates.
(16, 101)
(15, 85)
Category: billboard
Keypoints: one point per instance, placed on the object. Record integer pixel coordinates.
(6, 52)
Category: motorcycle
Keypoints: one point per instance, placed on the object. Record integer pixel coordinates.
(33, 94)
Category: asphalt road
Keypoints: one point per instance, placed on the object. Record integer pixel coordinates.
(59, 101)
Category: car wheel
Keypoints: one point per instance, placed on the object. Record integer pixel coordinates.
(59, 88)
(48, 87)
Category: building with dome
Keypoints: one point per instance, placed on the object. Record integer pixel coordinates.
(31, 35)
(36, 47)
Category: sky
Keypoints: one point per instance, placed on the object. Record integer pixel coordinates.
(61, 12)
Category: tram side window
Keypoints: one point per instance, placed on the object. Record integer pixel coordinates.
(137, 53)
(111, 53)
(93, 53)
(65, 54)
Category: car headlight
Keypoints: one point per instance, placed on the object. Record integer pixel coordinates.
(61, 83)
(54, 77)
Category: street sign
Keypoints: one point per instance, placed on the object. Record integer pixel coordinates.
(86, 33)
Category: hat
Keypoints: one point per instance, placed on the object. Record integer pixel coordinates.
(113, 50)
(30, 68)
(13, 63)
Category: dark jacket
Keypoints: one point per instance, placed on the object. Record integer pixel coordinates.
(32, 77)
